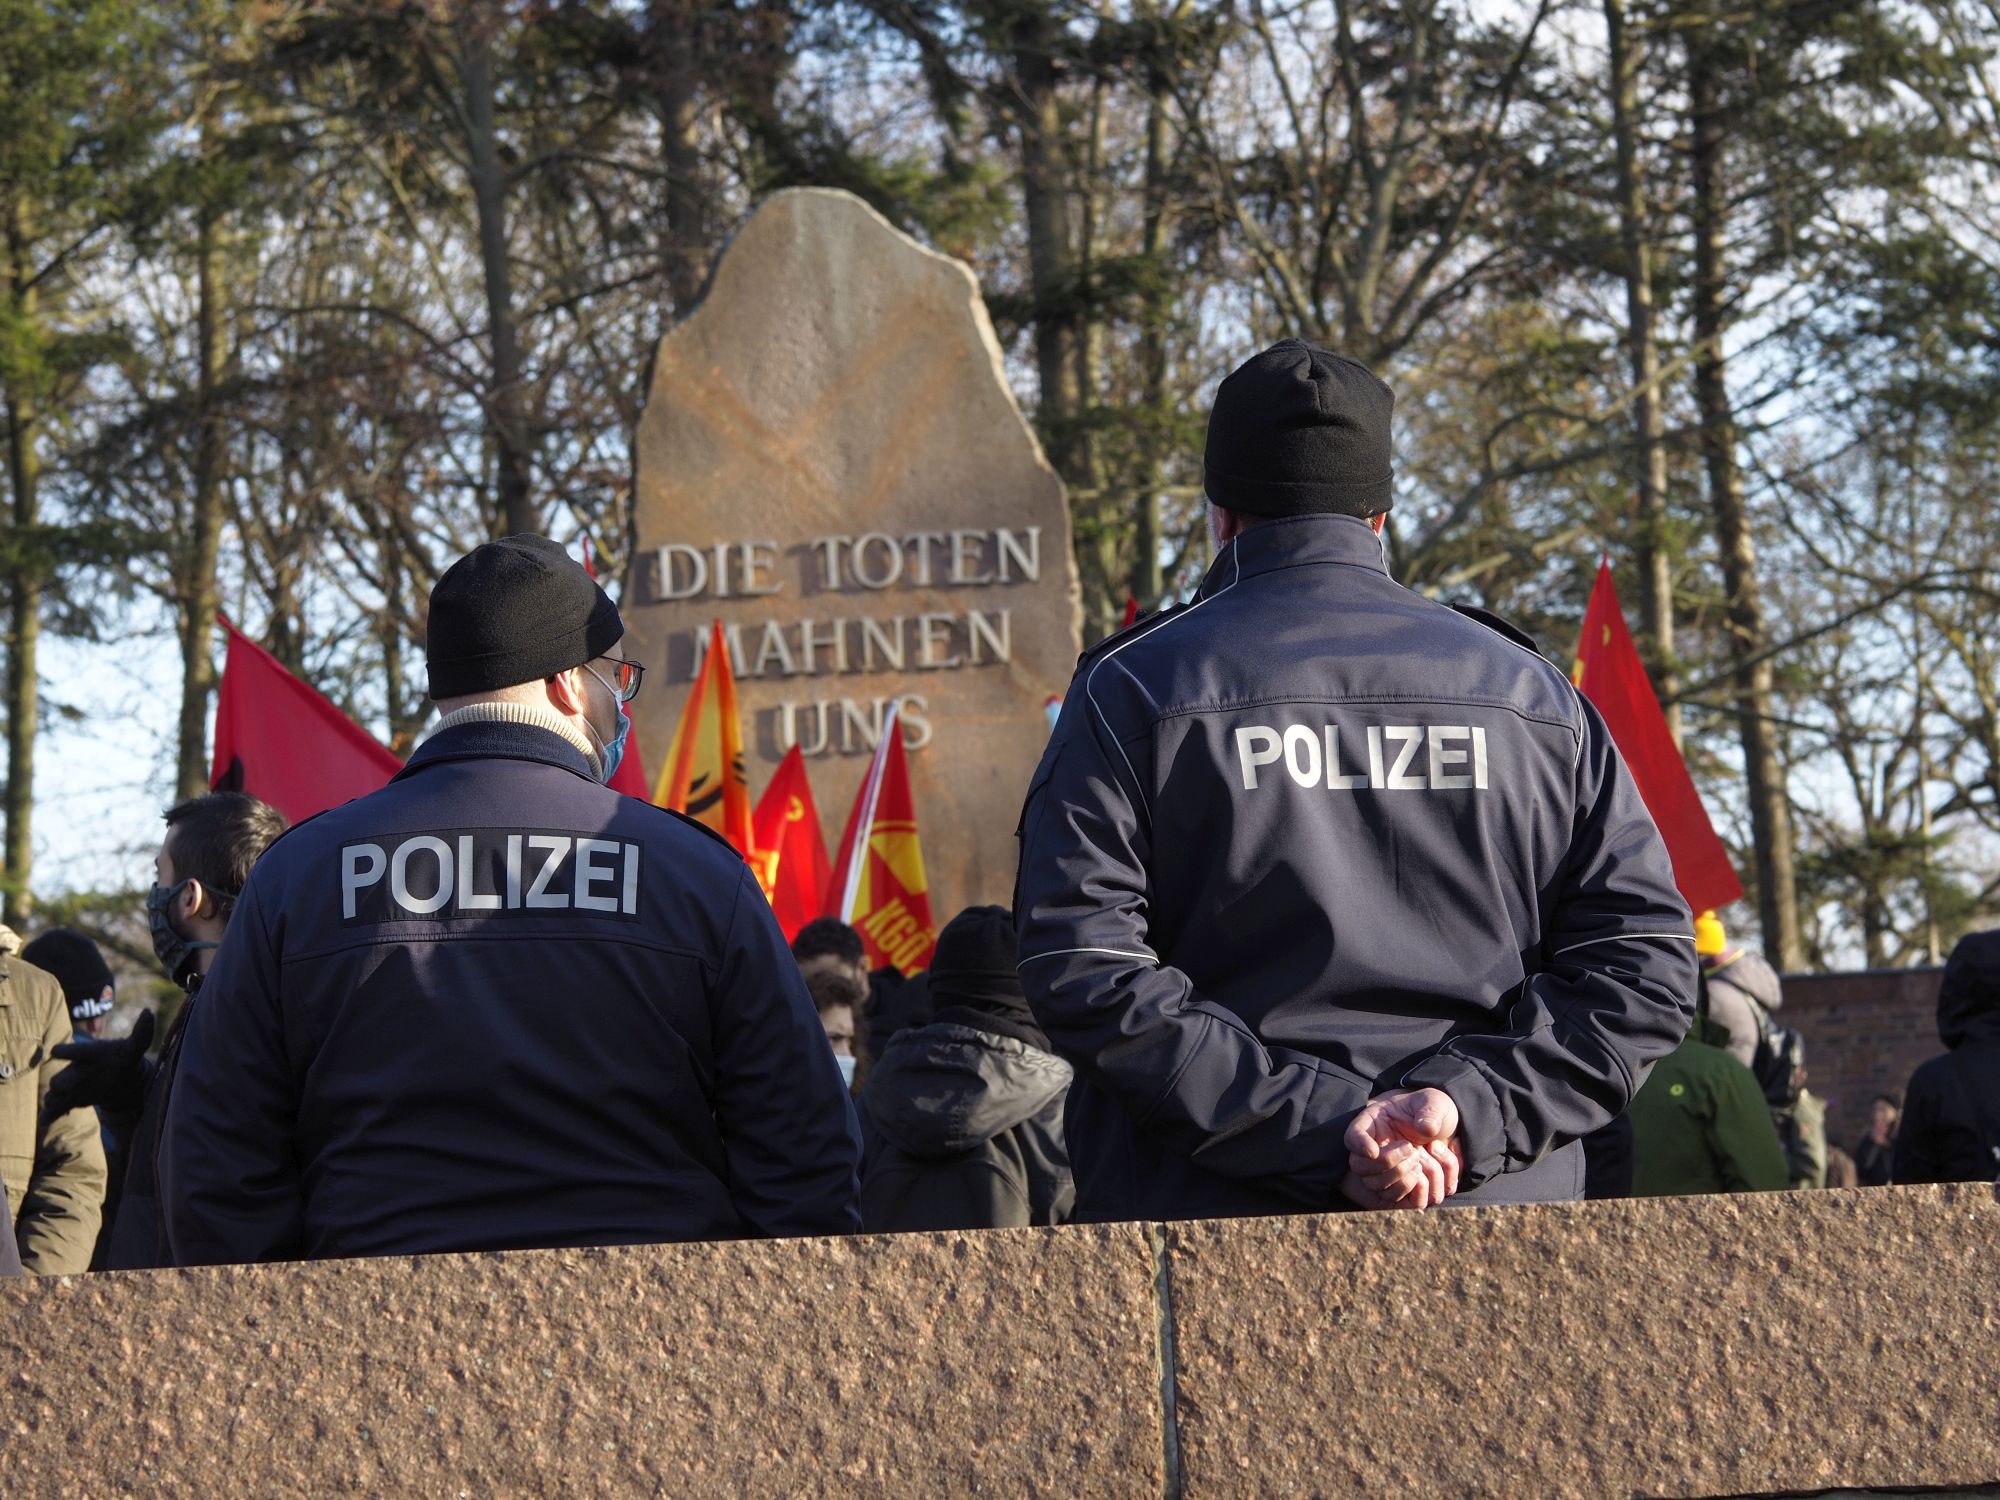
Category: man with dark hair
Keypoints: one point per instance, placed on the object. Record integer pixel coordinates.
(198, 873)
(1332, 894)
(1950, 1129)
(83, 974)
(895, 1002)
(496, 1004)
(838, 997)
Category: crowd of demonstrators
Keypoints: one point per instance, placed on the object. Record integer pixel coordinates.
(1329, 897)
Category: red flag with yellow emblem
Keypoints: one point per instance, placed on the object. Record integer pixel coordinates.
(704, 775)
(791, 851)
(1609, 673)
(878, 884)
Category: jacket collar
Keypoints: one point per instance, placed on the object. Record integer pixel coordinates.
(1295, 541)
(497, 741)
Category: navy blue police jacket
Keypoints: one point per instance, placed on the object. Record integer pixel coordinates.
(1316, 837)
(493, 1005)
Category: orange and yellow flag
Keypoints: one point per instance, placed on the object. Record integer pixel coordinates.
(878, 885)
(704, 774)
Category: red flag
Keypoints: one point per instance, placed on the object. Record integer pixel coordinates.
(878, 883)
(791, 851)
(1609, 673)
(704, 776)
(1131, 610)
(281, 740)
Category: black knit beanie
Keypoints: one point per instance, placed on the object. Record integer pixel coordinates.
(973, 980)
(1300, 431)
(513, 611)
(77, 966)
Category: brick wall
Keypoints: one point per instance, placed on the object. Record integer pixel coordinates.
(1865, 1033)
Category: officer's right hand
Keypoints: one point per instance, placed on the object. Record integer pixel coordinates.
(104, 1073)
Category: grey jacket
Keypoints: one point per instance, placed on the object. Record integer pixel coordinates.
(962, 1129)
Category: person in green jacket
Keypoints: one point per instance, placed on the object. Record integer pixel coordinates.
(1700, 1124)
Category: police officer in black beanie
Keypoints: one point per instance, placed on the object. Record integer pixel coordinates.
(496, 1004)
(1335, 896)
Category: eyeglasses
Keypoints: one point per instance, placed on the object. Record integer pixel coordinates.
(626, 681)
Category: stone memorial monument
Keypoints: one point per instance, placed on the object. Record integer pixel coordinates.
(831, 464)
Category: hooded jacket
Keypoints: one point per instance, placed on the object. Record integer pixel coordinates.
(55, 1176)
(1740, 984)
(962, 1129)
(1950, 1131)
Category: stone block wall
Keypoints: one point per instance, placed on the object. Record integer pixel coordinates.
(1780, 1343)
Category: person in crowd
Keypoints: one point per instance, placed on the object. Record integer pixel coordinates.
(1950, 1129)
(83, 974)
(962, 1118)
(495, 1004)
(895, 1001)
(1700, 1124)
(838, 998)
(1745, 995)
(199, 870)
(1333, 894)
(1840, 1169)
(92, 992)
(53, 1167)
(1875, 1152)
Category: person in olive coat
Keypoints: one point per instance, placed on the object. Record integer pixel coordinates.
(1700, 1123)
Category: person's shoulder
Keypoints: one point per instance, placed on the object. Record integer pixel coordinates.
(35, 986)
(1128, 635)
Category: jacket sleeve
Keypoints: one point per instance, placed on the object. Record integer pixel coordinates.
(787, 1123)
(1614, 995)
(229, 1178)
(64, 1202)
(1744, 1141)
(1186, 1070)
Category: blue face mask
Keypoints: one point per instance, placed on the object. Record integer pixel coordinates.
(846, 1070)
(614, 752)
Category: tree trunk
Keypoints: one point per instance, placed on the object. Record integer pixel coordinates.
(675, 51)
(1751, 679)
(1642, 344)
(506, 421)
(1051, 269)
(1146, 583)
(24, 599)
(199, 594)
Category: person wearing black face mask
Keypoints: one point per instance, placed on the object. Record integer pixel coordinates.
(496, 1004)
(210, 845)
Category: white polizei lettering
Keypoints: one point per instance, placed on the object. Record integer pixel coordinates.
(1336, 781)
(1375, 757)
(629, 902)
(589, 873)
(469, 898)
(1440, 736)
(557, 845)
(1411, 738)
(1478, 758)
(1298, 738)
(354, 878)
(513, 872)
(1250, 759)
(399, 874)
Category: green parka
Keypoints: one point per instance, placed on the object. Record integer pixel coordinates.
(1700, 1124)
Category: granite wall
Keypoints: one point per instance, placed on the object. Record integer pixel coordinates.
(1725, 1346)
